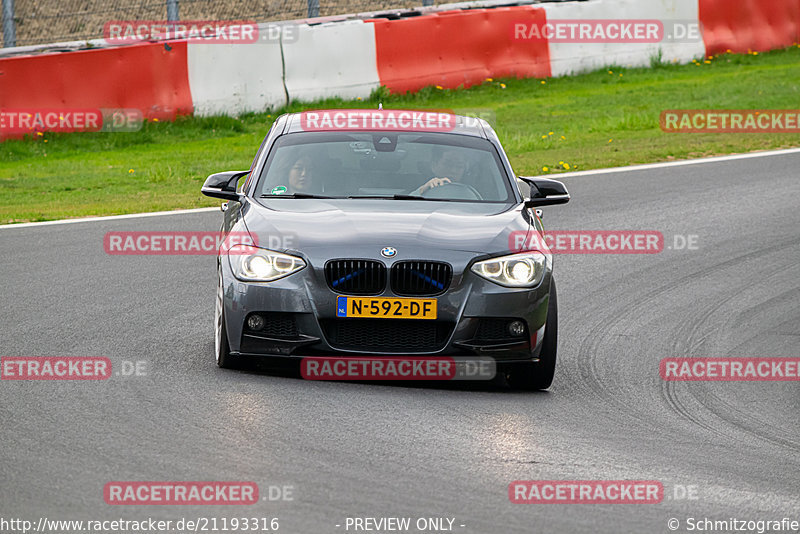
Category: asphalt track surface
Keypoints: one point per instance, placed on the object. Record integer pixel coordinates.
(378, 450)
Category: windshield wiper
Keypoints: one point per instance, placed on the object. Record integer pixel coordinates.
(399, 197)
(296, 195)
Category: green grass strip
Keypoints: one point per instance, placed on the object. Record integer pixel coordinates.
(601, 119)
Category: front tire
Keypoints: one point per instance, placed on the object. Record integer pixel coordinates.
(532, 376)
(222, 349)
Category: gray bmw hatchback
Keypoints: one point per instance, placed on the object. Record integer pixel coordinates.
(385, 233)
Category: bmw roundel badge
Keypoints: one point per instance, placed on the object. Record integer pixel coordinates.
(388, 252)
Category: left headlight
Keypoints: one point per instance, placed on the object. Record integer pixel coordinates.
(254, 264)
(515, 270)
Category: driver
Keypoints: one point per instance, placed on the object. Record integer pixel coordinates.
(449, 167)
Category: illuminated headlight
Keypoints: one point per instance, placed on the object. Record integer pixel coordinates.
(516, 270)
(260, 265)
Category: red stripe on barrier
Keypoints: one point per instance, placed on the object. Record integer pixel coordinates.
(746, 25)
(151, 77)
(454, 48)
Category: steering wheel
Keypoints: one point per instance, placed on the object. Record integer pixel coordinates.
(453, 190)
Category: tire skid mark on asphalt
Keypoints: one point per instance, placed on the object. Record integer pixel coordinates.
(709, 403)
(671, 391)
(744, 421)
(675, 401)
(595, 376)
(602, 330)
(592, 374)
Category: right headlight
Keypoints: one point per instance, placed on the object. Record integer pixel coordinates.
(255, 264)
(515, 270)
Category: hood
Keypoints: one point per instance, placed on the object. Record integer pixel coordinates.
(363, 227)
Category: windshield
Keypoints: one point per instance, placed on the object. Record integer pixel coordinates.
(407, 166)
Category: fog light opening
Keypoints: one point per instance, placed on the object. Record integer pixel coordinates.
(516, 328)
(255, 322)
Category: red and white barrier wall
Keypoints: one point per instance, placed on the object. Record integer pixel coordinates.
(350, 58)
(334, 59)
(571, 58)
(150, 77)
(229, 79)
(453, 48)
(745, 25)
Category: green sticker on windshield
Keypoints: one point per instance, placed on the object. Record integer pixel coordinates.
(279, 190)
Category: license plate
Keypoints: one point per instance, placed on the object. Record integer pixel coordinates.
(386, 308)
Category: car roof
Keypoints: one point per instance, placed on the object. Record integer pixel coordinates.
(331, 120)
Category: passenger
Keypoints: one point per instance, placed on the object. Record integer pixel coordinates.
(295, 176)
(301, 175)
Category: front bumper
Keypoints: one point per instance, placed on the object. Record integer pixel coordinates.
(300, 313)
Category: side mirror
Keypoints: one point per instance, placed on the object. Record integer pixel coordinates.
(223, 185)
(546, 192)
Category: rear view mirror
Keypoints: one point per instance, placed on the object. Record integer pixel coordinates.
(545, 192)
(223, 185)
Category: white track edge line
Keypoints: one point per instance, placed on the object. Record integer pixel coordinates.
(107, 218)
(679, 163)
